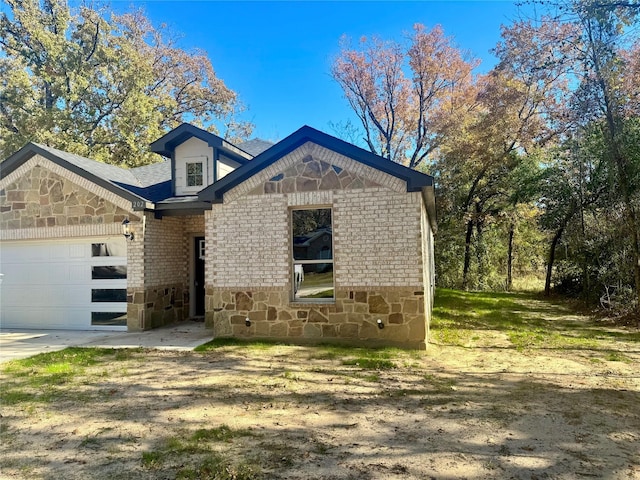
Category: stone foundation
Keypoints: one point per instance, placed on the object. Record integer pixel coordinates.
(156, 306)
(352, 319)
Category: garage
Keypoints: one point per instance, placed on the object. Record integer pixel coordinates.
(74, 284)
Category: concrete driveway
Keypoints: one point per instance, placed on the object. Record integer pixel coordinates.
(16, 344)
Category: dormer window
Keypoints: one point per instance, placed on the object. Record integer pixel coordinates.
(194, 174)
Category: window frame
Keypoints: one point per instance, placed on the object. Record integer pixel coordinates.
(293, 262)
(188, 175)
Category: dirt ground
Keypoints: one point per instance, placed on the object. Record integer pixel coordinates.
(481, 411)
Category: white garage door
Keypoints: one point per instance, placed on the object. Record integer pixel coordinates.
(78, 284)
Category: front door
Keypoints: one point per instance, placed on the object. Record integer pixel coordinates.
(199, 276)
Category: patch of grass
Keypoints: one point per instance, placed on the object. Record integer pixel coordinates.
(127, 353)
(196, 444)
(439, 385)
(182, 446)
(542, 339)
(365, 358)
(217, 468)
(526, 339)
(278, 455)
(152, 459)
(406, 392)
(313, 279)
(368, 363)
(289, 375)
(91, 443)
(466, 318)
(222, 342)
(46, 377)
(12, 395)
(219, 434)
(73, 356)
(321, 448)
(617, 357)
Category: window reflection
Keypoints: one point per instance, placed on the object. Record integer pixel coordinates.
(109, 249)
(194, 174)
(312, 254)
(110, 272)
(108, 294)
(313, 281)
(111, 319)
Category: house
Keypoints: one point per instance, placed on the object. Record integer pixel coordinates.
(311, 239)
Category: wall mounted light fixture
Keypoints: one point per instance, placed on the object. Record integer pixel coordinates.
(380, 324)
(127, 231)
(247, 322)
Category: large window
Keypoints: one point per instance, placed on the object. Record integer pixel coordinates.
(194, 174)
(312, 254)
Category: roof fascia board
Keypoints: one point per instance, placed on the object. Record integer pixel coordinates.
(167, 144)
(415, 180)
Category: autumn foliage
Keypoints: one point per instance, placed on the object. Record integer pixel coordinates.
(537, 161)
(101, 85)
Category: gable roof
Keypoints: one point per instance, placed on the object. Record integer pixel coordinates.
(166, 144)
(255, 146)
(115, 179)
(415, 180)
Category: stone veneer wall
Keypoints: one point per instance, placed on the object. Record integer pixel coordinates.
(351, 319)
(42, 200)
(379, 272)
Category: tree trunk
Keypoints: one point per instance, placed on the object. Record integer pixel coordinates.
(510, 258)
(481, 254)
(554, 243)
(467, 255)
(552, 257)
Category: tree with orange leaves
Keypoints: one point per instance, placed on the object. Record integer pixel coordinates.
(408, 96)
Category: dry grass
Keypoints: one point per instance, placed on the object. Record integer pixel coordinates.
(514, 387)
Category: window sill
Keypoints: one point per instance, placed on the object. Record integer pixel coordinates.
(312, 301)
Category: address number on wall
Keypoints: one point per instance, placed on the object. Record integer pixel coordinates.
(137, 204)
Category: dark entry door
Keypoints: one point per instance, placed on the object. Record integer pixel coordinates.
(199, 275)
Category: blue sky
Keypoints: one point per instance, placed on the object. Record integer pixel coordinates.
(277, 55)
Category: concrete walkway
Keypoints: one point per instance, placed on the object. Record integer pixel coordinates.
(16, 344)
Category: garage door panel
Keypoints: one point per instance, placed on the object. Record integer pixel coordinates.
(17, 298)
(48, 296)
(39, 317)
(48, 284)
(45, 273)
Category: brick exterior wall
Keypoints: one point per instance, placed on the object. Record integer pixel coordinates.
(378, 254)
(376, 239)
(247, 242)
(159, 260)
